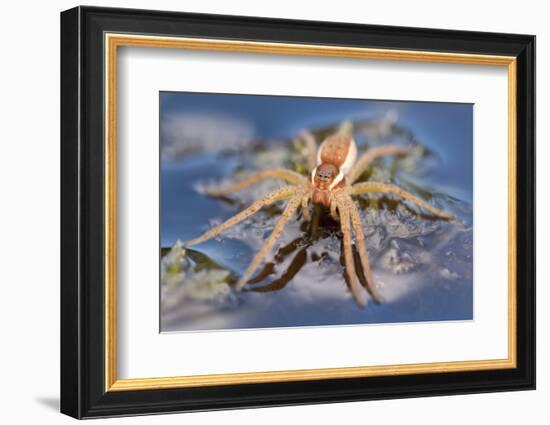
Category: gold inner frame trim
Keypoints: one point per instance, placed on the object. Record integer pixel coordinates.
(113, 41)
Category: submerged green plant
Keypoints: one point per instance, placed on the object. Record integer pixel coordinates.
(186, 274)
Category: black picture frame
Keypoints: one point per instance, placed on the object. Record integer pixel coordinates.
(83, 392)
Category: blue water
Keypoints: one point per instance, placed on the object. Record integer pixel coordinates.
(423, 267)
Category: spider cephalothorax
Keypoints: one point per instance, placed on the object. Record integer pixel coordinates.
(324, 179)
(334, 171)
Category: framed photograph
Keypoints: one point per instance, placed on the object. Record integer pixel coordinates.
(261, 212)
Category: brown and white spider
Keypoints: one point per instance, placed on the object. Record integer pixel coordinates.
(334, 171)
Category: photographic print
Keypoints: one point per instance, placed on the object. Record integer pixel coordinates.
(283, 211)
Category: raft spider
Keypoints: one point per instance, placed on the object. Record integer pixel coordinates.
(334, 169)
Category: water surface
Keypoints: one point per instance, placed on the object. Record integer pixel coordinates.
(422, 266)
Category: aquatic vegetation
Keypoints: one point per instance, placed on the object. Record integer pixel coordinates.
(199, 280)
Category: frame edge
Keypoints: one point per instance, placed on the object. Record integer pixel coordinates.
(70, 349)
(526, 181)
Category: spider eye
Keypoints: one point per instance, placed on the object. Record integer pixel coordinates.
(326, 172)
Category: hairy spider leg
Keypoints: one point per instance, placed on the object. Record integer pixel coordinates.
(311, 147)
(343, 210)
(289, 211)
(375, 187)
(366, 159)
(277, 195)
(361, 248)
(305, 205)
(287, 175)
(333, 205)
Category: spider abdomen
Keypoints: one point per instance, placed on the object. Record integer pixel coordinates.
(339, 150)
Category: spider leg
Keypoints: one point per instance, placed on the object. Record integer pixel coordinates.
(289, 211)
(333, 206)
(277, 195)
(365, 160)
(287, 175)
(305, 209)
(343, 210)
(363, 255)
(375, 187)
(311, 147)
